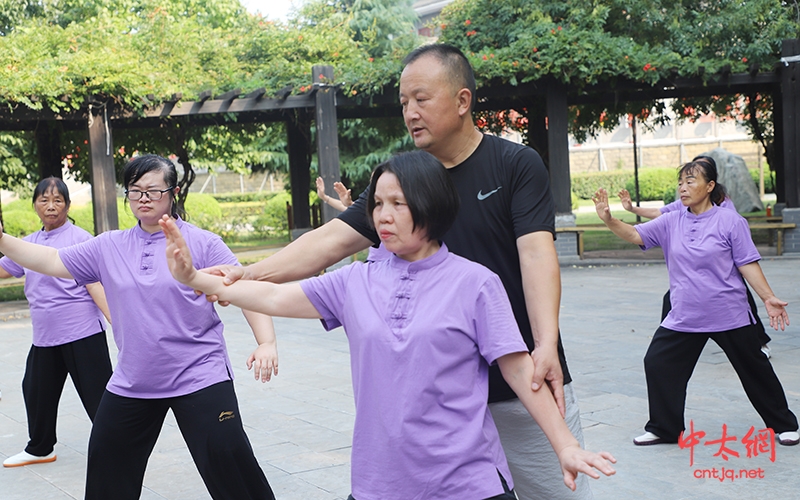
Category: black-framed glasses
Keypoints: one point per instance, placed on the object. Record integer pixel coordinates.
(152, 194)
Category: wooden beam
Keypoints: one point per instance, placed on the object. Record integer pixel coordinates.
(230, 95)
(103, 174)
(298, 135)
(327, 135)
(558, 147)
(188, 108)
(256, 94)
(790, 92)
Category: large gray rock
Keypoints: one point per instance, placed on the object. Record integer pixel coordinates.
(733, 174)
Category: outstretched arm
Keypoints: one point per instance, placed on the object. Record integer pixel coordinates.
(621, 229)
(267, 298)
(517, 370)
(39, 258)
(304, 257)
(776, 308)
(627, 204)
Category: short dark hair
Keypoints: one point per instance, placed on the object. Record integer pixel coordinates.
(430, 193)
(51, 182)
(707, 167)
(454, 61)
(140, 165)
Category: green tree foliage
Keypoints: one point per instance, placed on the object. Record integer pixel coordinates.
(589, 42)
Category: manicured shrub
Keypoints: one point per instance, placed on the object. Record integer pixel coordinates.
(203, 211)
(585, 184)
(769, 179)
(21, 223)
(653, 183)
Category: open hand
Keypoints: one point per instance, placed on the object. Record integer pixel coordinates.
(574, 459)
(778, 317)
(625, 198)
(179, 259)
(264, 361)
(600, 200)
(345, 195)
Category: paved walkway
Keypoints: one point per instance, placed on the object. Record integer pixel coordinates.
(300, 424)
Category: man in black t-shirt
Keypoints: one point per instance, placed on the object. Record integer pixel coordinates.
(506, 222)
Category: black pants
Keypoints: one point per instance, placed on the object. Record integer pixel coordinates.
(507, 495)
(670, 361)
(763, 337)
(87, 363)
(126, 429)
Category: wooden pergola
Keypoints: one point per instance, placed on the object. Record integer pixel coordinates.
(324, 105)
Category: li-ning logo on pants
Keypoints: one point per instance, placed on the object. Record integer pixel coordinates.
(226, 415)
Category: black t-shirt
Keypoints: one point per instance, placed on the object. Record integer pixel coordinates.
(505, 193)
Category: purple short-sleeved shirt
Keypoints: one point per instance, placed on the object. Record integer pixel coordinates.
(703, 254)
(62, 311)
(170, 340)
(422, 335)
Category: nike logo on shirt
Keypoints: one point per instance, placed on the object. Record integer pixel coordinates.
(482, 196)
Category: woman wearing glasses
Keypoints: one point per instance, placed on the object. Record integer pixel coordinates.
(172, 353)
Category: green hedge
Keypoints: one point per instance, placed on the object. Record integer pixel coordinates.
(203, 211)
(21, 222)
(769, 180)
(585, 184)
(654, 183)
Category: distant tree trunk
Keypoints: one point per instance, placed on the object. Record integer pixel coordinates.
(185, 182)
(48, 148)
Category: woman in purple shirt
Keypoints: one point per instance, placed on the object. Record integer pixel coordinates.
(423, 326)
(724, 202)
(172, 353)
(708, 251)
(69, 334)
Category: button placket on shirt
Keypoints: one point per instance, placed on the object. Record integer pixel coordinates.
(401, 303)
(148, 253)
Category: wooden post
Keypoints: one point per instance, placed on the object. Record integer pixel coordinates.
(48, 147)
(790, 96)
(298, 132)
(327, 135)
(558, 147)
(635, 166)
(103, 174)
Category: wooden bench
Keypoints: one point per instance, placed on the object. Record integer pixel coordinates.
(578, 232)
(778, 227)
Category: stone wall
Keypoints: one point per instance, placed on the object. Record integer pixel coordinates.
(791, 238)
(231, 182)
(621, 158)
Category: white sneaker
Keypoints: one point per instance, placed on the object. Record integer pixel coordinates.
(766, 351)
(647, 439)
(25, 458)
(789, 438)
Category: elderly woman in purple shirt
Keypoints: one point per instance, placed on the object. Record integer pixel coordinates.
(172, 353)
(69, 334)
(423, 326)
(724, 202)
(708, 251)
